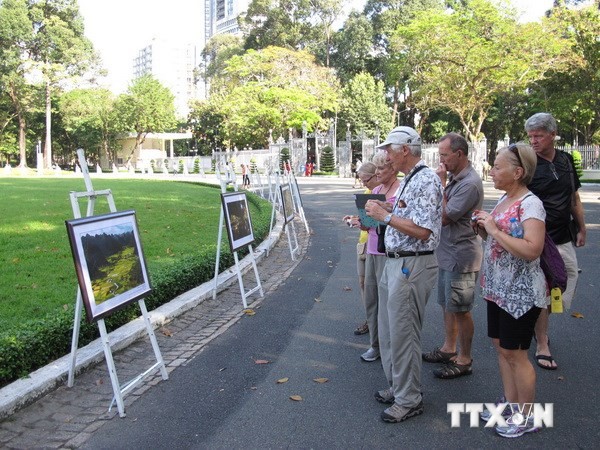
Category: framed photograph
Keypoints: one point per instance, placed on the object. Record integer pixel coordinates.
(109, 262)
(288, 203)
(237, 220)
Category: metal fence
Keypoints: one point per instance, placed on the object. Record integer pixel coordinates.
(589, 155)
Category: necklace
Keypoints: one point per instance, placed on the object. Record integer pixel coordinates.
(390, 188)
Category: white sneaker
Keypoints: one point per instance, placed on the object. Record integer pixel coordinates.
(518, 428)
(370, 355)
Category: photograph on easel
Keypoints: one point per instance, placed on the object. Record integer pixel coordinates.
(288, 203)
(237, 220)
(109, 262)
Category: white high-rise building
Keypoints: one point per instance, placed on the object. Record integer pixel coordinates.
(220, 16)
(173, 64)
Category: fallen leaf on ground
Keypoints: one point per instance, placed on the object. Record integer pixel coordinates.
(166, 331)
(249, 312)
(321, 380)
(346, 288)
(261, 361)
(317, 299)
(283, 380)
(99, 381)
(296, 398)
(253, 388)
(577, 315)
(560, 378)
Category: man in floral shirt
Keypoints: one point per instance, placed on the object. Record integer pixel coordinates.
(413, 232)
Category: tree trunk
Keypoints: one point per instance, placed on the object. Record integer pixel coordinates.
(22, 142)
(48, 142)
(14, 98)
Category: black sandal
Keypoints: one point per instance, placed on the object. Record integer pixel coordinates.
(438, 356)
(453, 370)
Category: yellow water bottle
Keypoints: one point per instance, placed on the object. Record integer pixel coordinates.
(556, 305)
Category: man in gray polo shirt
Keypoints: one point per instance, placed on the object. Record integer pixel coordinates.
(413, 232)
(459, 257)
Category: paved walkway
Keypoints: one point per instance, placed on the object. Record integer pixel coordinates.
(67, 417)
(342, 415)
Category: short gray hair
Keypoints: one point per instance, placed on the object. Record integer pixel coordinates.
(457, 142)
(541, 121)
(368, 168)
(415, 149)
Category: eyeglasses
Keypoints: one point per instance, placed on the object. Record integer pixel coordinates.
(515, 151)
(553, 170)
(368, 179)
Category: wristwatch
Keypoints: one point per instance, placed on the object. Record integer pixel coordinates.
(387, 219)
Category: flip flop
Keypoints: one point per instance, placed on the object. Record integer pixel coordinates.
(550, 359)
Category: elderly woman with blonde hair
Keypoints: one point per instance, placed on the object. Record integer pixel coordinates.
(512, 281)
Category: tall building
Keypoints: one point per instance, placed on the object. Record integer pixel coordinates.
(220, 16)
(173, 64)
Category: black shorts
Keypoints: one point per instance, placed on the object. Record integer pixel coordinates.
(513, 334)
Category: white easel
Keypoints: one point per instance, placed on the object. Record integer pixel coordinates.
(297, 199)
(243, 291)
(278, 205)
(118, 390)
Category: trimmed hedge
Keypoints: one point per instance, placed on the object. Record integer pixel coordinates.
(39, 342)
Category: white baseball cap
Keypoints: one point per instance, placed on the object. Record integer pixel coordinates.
(401, 135)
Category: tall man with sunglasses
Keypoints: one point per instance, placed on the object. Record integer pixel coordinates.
(556, 183)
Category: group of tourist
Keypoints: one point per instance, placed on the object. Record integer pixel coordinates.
(435, 229)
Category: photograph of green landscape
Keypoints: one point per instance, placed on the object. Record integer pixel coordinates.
(109, 262)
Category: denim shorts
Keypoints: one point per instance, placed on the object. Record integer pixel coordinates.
(456, 291)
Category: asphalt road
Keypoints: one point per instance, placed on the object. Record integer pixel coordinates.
(223, 399)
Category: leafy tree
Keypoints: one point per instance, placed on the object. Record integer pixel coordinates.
(146, 107)
(17, 95)
(327, 161)
(353, 47)
(572, 93)
(218, 51)
(58, 50)
(272, 89)
(325, 12)
(86, 116)
(207, 125)
(363, 105)
(284, 157)
(282, 23)
(390, 65)
(460, 61)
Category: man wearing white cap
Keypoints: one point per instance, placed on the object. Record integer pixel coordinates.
(413, 231)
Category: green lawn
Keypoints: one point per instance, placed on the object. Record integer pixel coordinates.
(175, 220)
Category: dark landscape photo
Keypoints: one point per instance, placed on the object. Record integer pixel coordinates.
(237, 220)
(113, 262)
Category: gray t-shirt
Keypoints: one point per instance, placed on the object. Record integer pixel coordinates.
(460, 248)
